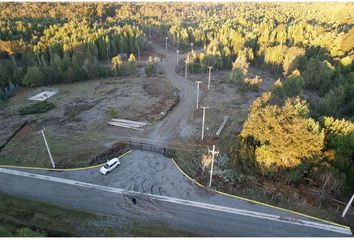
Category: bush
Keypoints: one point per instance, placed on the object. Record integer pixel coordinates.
(27, 232)
(153, 66)
(4, 232)
(40, 107)
(251, 84)
(112, 113)
(149, 69)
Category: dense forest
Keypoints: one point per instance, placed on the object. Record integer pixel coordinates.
(300, 131)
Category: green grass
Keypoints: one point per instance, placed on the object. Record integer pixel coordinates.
(23, 217)
(17, 213)
(40, 107)
(28, 149)
(139, 229)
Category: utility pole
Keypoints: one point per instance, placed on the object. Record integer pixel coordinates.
(203, 121)
(186, 70)
(46, 144)
(348, 205)
(213, 152)
(166, 43)
(210, 67)
(192, 46)
(150, 31)
(177, 51)
(198, 82)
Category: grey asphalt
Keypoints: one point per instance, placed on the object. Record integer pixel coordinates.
(152, 173)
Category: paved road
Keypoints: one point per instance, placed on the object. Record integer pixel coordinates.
(163, 195)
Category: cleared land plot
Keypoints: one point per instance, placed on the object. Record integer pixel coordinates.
(77, 128)
(224, 98)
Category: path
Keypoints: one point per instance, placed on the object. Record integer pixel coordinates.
(178, 118)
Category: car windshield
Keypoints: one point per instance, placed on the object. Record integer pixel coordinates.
(107, 166)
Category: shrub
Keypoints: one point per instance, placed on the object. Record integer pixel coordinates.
(27, 232)
(4, 232)
(40, 107)
(153, 66)
(112, 113)
(251, 84)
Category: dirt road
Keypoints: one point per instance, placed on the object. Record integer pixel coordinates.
(178, 118)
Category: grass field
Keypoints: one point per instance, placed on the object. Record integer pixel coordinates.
(77, 128)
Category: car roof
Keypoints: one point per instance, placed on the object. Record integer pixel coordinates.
(114, 160)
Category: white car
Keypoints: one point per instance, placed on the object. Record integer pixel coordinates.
(109, 166)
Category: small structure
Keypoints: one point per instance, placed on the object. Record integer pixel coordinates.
(42, 96)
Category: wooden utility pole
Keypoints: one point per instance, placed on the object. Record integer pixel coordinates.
(166, 43)
(177, 51)
(46, 144)
(203, 121)
(213, 152)
(198, 82)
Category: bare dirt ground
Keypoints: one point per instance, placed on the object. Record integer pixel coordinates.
(224, 98)
(77, 128)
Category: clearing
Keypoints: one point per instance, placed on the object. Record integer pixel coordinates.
(77, 128)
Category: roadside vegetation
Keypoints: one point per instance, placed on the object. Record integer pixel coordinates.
(21, 217)
(40, 107)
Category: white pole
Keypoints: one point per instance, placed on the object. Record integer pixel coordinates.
(198, 82)
(209, 76)
(213, 152)
(177, 51)
(348, 205)
(192, 46)
(186, 70)
(46, 144)
(166, 43)
(203, 121)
